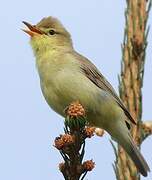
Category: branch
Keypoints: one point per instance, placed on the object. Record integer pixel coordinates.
(71, 145)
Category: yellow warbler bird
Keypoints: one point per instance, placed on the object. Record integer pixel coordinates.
(66, 76)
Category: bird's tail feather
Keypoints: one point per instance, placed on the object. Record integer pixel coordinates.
(136, 156)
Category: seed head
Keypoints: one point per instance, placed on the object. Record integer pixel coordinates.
(75, 110)
(89, 131)
(63, 141)
(88, 165)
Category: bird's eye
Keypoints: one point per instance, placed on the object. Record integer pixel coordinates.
(51, 32)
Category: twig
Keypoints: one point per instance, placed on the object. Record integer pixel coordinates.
(71, 145)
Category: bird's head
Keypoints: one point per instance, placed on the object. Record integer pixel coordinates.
(49, 33)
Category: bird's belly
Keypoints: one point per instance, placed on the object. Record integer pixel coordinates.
(59, 93)
(66, 88)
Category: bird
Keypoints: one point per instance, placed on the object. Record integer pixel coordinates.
(67, 76)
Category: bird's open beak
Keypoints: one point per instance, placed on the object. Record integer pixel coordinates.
(32, 29)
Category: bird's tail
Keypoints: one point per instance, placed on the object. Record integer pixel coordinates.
(136, 156)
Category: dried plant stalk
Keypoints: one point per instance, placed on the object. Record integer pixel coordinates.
(131, 79)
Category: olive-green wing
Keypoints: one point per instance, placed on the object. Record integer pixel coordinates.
(99, 80)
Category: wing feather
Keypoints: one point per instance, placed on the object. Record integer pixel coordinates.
(99, 80)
